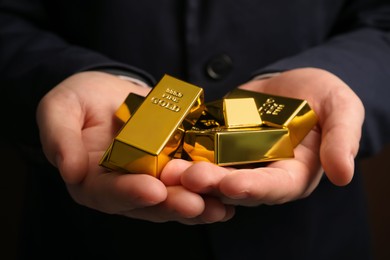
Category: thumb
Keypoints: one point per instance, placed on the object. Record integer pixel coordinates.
(341, 133)
(61, 137)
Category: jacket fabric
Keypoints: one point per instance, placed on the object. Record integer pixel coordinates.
(216, 44)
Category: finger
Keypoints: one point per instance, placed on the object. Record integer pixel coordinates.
(187, 208)
(61, 137)
(172, 172)
(252, 187)
(199, 179)
(114, 192)
(203, 177)
(216, 211)
(183, 202)
(280, 181)
(341, 133)
(180, 205)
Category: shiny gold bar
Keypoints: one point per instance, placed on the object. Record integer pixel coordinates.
(279, 111)
(153, 134)
(240, 112)
(207, 121)
(232, 113)
(212, 116)
(129, 106)
(238, 146)
(124, 112)
(215, 109)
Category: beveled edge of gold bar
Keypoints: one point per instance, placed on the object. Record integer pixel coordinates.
(304, 121)
(105, 162)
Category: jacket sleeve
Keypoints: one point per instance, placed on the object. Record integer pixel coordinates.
(33, 60)
(360, 56)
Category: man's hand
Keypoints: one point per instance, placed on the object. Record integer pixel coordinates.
(329, 147)
(77, 125)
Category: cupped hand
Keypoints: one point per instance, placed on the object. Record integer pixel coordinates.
(330, 147)
(76, 126)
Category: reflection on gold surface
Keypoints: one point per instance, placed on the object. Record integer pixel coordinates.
(128, 107)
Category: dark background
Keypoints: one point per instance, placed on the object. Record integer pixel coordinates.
(375, 172)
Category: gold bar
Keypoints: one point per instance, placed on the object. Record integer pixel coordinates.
(240, 112)
(279, 111)
(215, 109)
(152, 135)
(212, 116)
(237, 146)
(129, 106)
(207, 121)
(124, 112)
(232, 112)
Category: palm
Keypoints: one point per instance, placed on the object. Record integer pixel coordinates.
(275, 183)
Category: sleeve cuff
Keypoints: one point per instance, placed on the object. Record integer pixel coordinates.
(125, 75)
(266, 75)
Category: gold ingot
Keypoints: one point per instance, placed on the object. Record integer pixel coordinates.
(153, 133)
(211, 117)
(231, 113)
(240, 112)
(123, 113)
(238, 146)
(129, 106)
(282, 112)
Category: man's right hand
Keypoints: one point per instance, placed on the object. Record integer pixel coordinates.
(77, 125)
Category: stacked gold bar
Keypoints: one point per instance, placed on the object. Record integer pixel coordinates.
(282, 112)
(240, 140)
(173, 122)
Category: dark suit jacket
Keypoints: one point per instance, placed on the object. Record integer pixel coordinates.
(217, 45)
